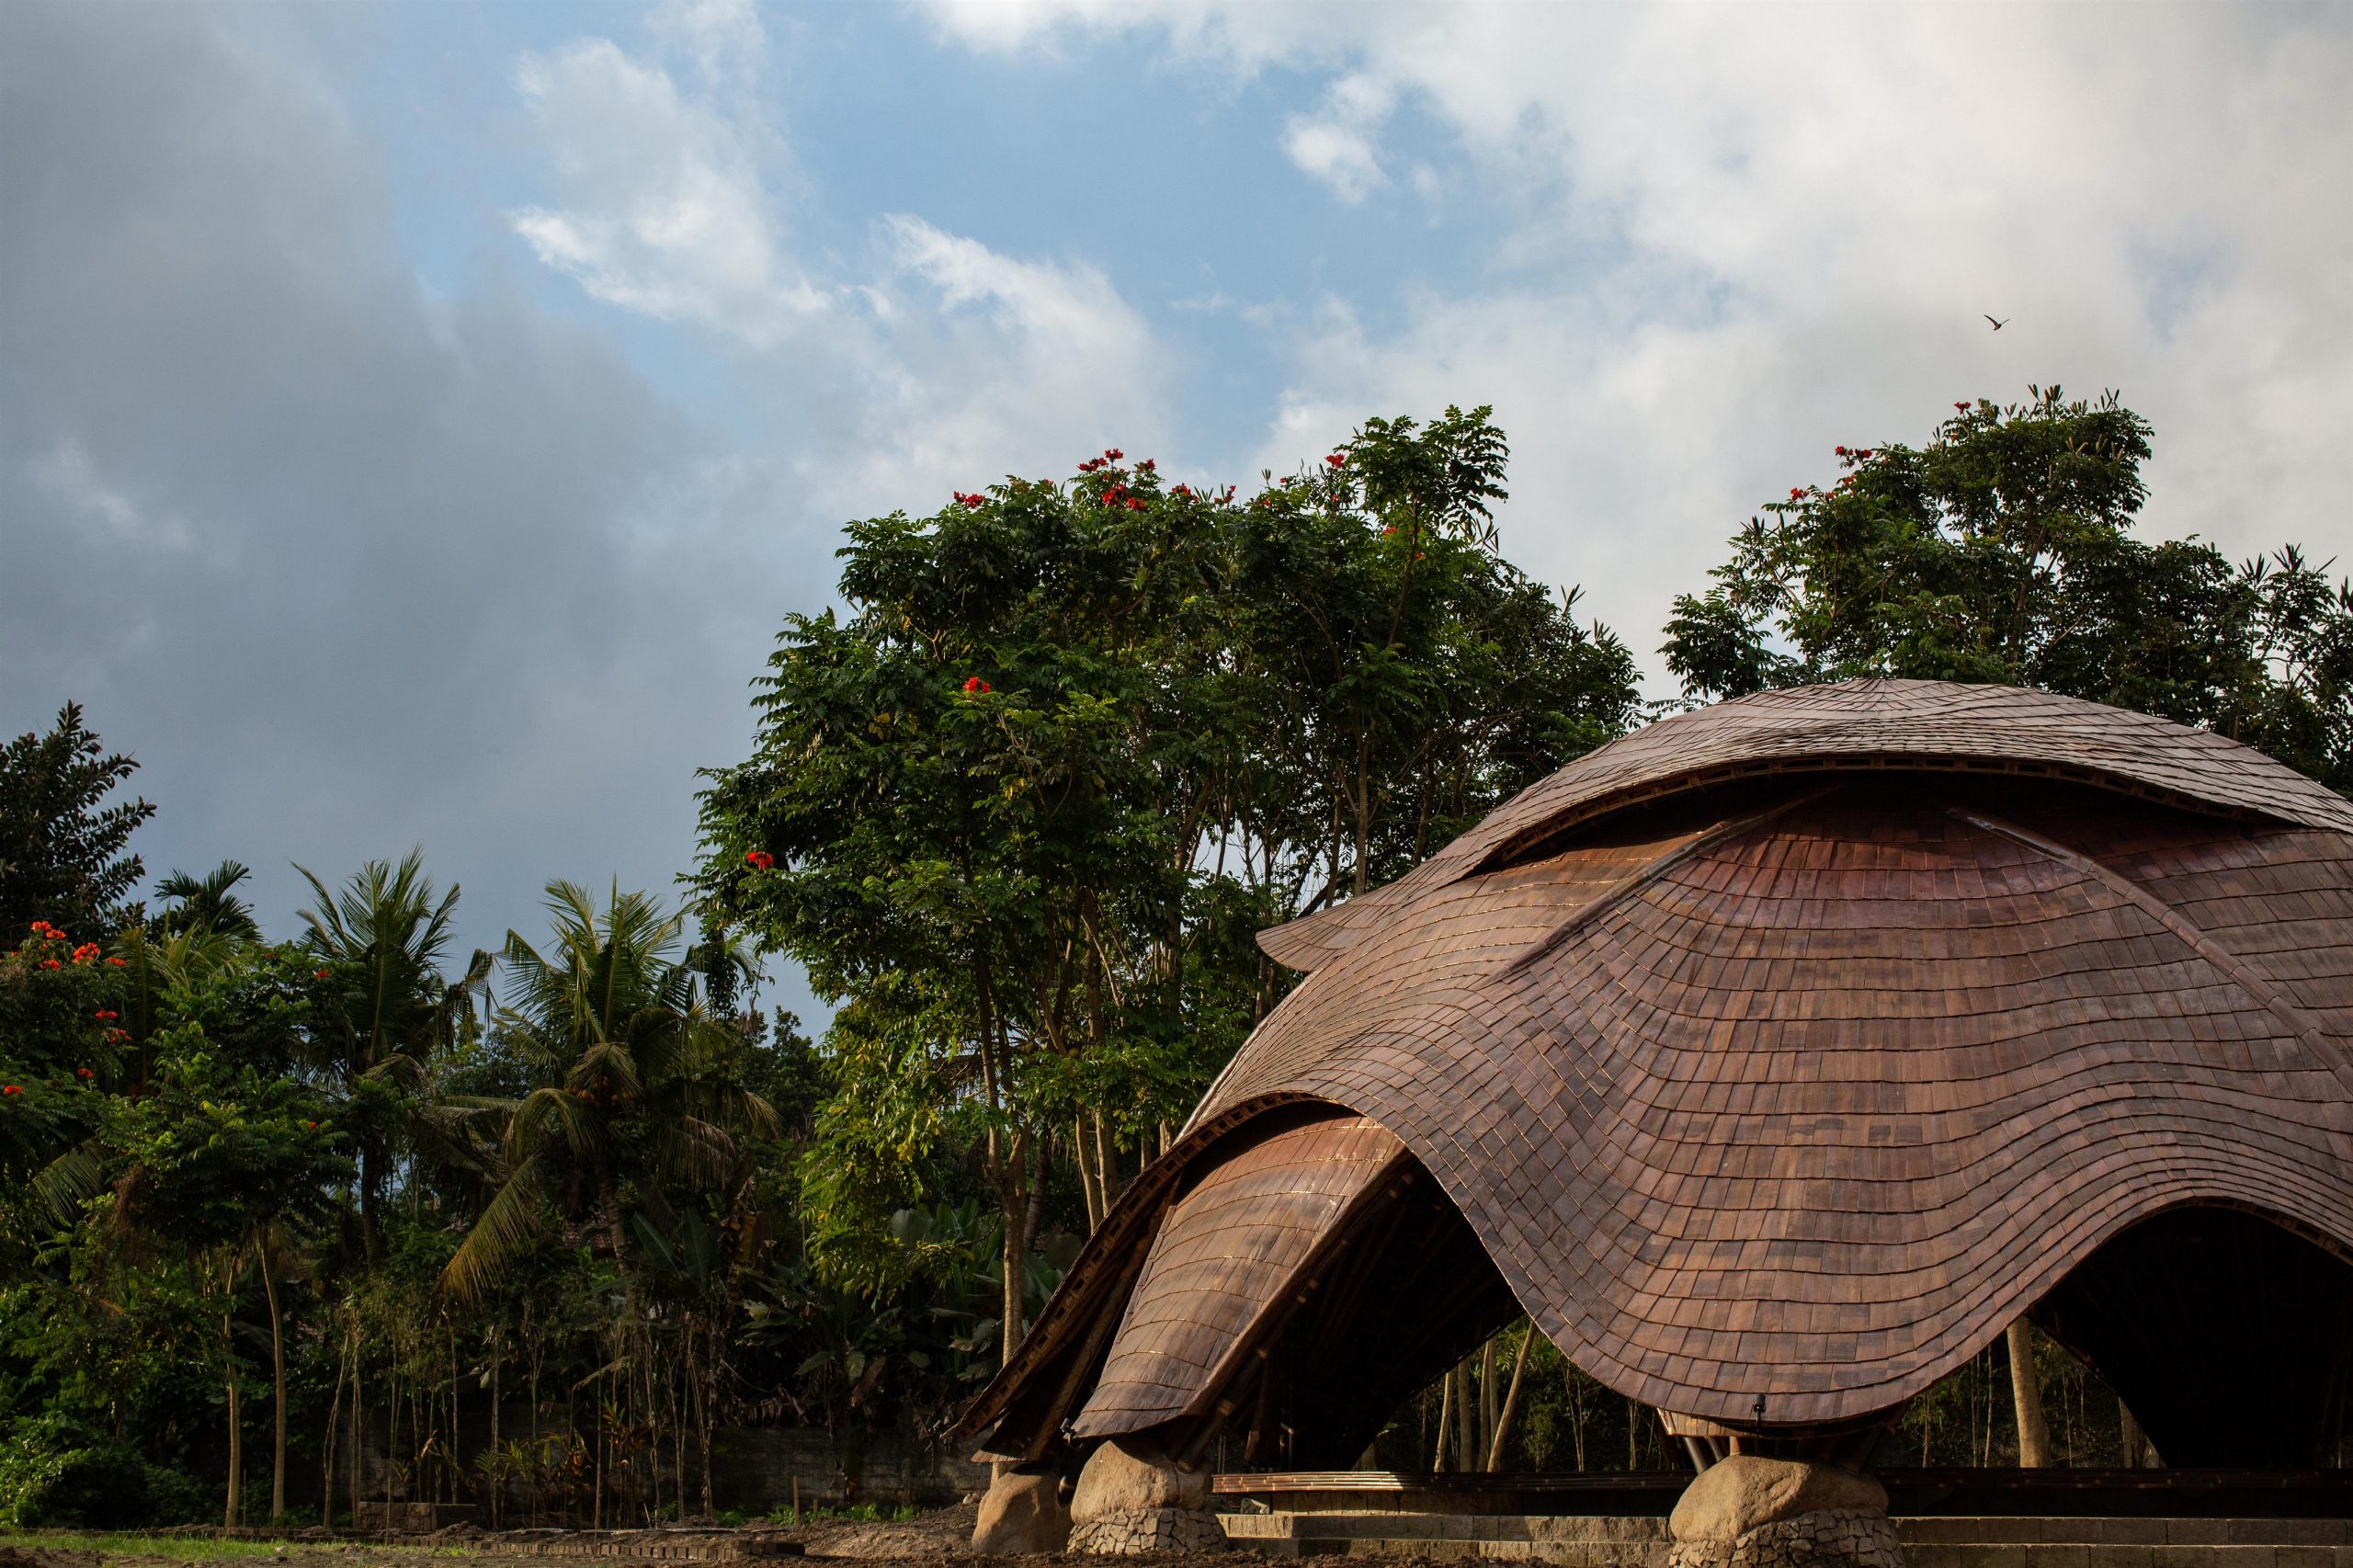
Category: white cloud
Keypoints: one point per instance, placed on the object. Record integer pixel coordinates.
(724, 37)
(1738, 235)
(950, 364)
(984, 364)
(1335, 145)
(665, 211)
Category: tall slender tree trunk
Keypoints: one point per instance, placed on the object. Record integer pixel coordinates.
(2025, 1392)
(277, 1384)
(1014, 1210)
(714, 1355)
(1487, 1409)
(1446, 1420)
(457, 1454)
(359, 1423)
(234, 1504)
(493, 1472)
(1466, 1425)
(1511, 1402)
(326, 1446)
(1087, 1186)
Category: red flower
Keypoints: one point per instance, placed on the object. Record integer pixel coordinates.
(310, 1127)
(85, 952)
(1337, 460)
(84, 1072)
(104, 1013)
(1185, 490)
(1796, 494)
(318, 974)
(1134, 506)
(1113, 454)
(1865, 453)
(51, 963)
(1386, 531)
(117, 963)
(759, 859)
(1148, 466)
(1840, 450)
(969, 500)
(1961, 408)
(10, 1090)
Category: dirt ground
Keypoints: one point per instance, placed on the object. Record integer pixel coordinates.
(929, 1540)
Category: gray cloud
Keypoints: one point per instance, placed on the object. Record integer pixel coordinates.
(347, 566)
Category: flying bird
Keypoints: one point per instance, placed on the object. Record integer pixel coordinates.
(1998, 325)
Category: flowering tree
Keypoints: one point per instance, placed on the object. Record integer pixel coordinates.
(2002, 551)
(1022, 808)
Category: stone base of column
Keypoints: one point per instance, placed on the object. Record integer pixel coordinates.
(1135, 1532)
(1021, 1514)
(1747, 1511)
(1133, 1500)
(1824, 1539)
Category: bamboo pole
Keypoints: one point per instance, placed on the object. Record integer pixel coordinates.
(1511, 1402)
(1445, 1419)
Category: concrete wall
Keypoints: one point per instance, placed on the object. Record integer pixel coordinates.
(753, 1467)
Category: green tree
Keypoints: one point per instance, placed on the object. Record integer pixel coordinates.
(209, 902)
(1021, 810)
(633, 1098)
(386, 1012)
(61, 844)
(62, 1050)
(224, 1157)
(2002, 551)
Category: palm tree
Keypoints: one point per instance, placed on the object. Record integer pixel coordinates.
(207, 903)
(626, 1061)
(389, 1012)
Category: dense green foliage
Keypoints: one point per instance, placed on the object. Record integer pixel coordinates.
(61, 843)
(2002, 552)
(532, 1227)
(1022, 810)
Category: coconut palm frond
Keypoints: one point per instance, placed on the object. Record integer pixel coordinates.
(511, 1220)
(69, 1181)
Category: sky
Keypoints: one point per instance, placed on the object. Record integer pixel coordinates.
(416, 421)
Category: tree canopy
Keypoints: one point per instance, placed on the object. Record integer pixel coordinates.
(2002, 551)
(1021, 810)
(61, 843)
(1020, 806)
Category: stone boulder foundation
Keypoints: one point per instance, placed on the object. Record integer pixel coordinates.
(1022, 1513)
(1749, 1512)
(1133, 1500)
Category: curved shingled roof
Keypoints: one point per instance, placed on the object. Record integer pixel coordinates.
(1868, 724)
(1760, 1080)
